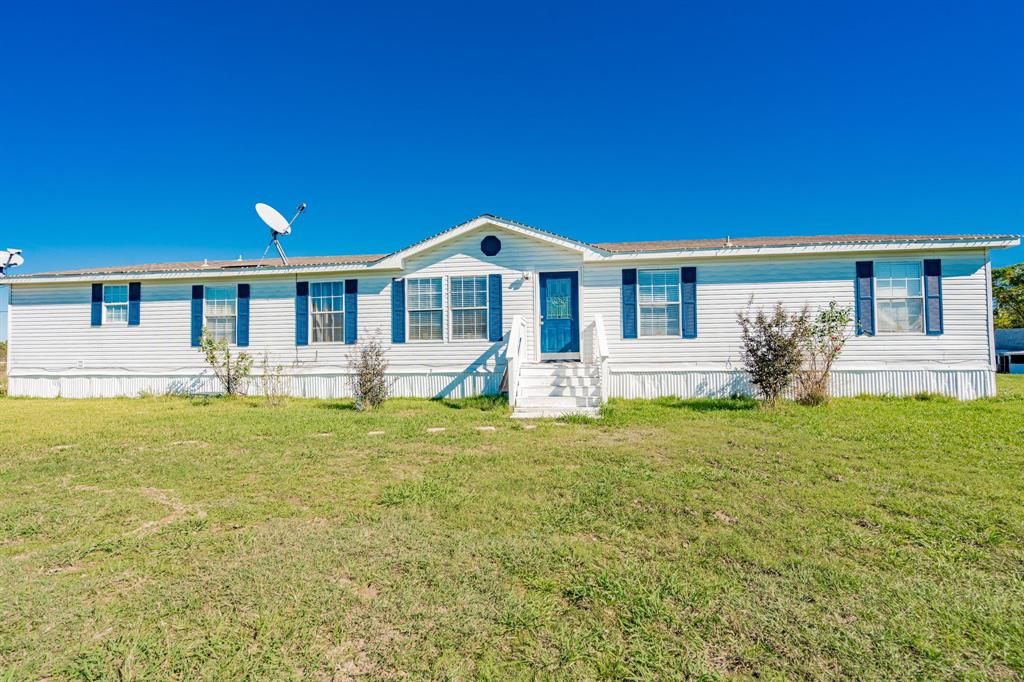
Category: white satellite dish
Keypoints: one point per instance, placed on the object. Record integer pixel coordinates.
(9, 259)
(278, 226)
(274, 220)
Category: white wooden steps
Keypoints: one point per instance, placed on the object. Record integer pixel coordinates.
(555, 389)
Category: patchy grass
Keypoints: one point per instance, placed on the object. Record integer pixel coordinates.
(168, 538)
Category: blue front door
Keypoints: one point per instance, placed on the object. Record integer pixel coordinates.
(559, 312)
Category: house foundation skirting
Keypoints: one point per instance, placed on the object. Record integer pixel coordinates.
(964, 384)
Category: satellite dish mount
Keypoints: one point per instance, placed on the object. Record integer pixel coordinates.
(278, 226)
(10, 258)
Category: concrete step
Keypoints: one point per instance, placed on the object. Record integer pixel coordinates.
(564, 401)
(553, 412)
(528, 393)
(544, 370)
(558, 381)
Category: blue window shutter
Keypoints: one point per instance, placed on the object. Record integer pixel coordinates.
(242, 321)
(351, 310)
(688, 276)
(629, 303)
(933, 296)
(97, 305)
(197, 314)
(134, 303)
(302, 313)
(494, 326)
(398, 311)
(865, 297)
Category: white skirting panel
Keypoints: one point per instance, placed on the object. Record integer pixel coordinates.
(429, 385)
(961, 384)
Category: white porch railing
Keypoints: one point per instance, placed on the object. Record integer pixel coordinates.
(599, 355)
(514, 357)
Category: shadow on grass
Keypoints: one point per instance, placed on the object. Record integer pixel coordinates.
(340, 405)
(484, 403)
(708, 404)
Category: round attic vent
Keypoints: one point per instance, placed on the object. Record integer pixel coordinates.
(490, 245)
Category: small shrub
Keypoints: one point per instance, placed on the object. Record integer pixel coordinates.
(773, 349)
(231, 370)
(370, 383)
(273, 382)
(827, 335)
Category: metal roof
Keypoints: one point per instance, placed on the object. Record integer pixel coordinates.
(608, 247)
(813, 240)
(211, 266)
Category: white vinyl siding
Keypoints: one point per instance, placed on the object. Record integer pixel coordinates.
(658, 300)
(424, 303)
(899, 297)
(327, 312)
(82, 360)
(157, 356)
(221, 312)
(728, 285)
(115, 304)
(468, 303)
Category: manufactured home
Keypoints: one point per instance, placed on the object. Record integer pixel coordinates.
(1010, 351)
(493, 305)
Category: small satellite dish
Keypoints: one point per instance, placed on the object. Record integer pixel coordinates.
(9, 259)
(278, 226)
(274, 220)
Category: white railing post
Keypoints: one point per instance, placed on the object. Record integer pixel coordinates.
(514, 357)
(600, 353)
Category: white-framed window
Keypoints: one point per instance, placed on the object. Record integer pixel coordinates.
(424, 306)
(658, 302)
(327, 311)
(221, 312)
(115, 304)
(468, 302)
(899, 297)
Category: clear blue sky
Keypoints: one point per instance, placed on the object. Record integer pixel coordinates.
(142, 132)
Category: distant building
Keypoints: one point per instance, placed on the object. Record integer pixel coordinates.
(1010, 351)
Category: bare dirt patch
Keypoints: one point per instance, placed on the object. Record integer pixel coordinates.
(179, 510)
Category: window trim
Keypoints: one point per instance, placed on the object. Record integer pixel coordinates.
(127, 303)
(206, 307)
(408, 310)
(678, 304)
(446, 307)
(310, 313)
(876, 298)
(486, 308)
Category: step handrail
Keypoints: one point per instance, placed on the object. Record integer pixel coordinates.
(600, 352)
(514, 357)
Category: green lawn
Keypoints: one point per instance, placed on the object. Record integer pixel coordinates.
(163, 538)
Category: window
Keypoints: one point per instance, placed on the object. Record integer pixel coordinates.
(221, 312)
(469, 307)
(900, 297)
(426, 316)
(327, 300)
(115, 303)
(1017, 359)
(658, 299)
